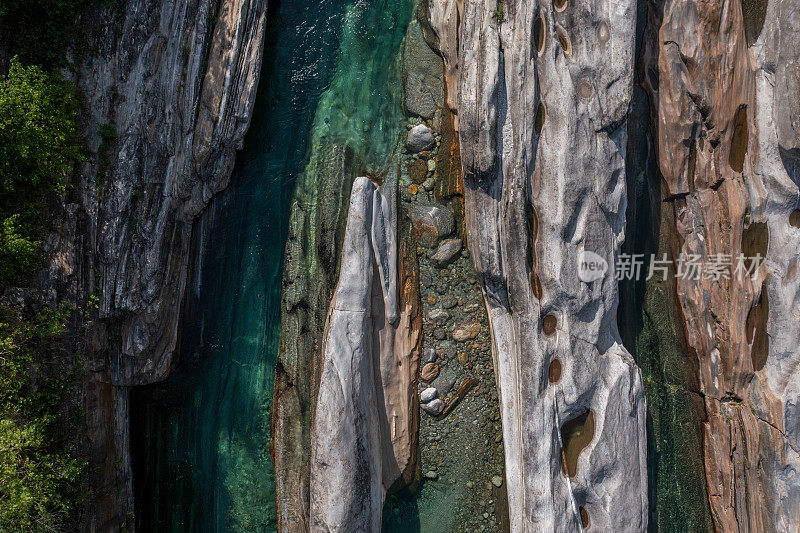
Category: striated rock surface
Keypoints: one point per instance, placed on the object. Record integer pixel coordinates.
(542, 96)
(366, 415)
(175, 83)
(727, 151)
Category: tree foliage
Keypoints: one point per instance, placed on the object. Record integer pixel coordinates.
(40, 477)
(38, 150)
(39, 31)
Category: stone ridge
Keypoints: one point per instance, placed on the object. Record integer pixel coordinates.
(171, 85)
(542, 96)
(727, 151)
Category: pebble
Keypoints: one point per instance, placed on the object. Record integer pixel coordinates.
(428, 395)
(429, 355)
(431, 165)
(463, 358)
(447, 252)
(431, 474)
(467, 331)
(439, 334)
(439, 316)
(432, 299)
(419, 138)
(448, 301)
(431, 224)
(417, 171)
(497, 481)
(433, 407)
(429, 372)
(428, 184)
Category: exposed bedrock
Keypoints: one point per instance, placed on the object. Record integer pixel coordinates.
(366, 409)
(722, 78)
(171, 85)
(176, 84)
(542, 96)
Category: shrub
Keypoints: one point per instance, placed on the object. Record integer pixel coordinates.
(20, 256)
(38, 144)
(40, 476)
(40, 30)
(38, 151)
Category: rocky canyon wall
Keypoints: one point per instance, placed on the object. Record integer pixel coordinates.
(722, 83)
(544, 122)
(542, 96)
(167, 95)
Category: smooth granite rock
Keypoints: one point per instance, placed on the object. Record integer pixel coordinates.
(364, 427)
(541, 99)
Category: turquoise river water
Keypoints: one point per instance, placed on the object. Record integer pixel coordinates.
(201, 439)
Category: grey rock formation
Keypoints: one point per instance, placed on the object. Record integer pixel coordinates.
(431, 224)
(176, 83)
(361, 435)
(777, 158)
(422, 75)
(542, 99)
(419, 138)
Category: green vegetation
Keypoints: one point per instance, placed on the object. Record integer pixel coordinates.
(40, 478)
(41, 475)
(499, 12)
(38, 150)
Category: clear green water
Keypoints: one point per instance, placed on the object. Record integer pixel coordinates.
(201, 439)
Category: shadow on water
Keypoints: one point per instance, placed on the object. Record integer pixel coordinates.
(650, 324)
(200, 439)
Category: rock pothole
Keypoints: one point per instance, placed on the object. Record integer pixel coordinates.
(576, 434)
(584, 517)
(563, 39)
(549, 324)
(756, 329)
(554, 371)
(739, 140)
(794, 218)
(540, 33)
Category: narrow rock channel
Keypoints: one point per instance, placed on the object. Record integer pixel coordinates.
(461, 448)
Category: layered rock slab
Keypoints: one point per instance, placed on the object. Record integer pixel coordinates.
(366, 410)
(175, 83)
(542, 96)
(725, 142)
